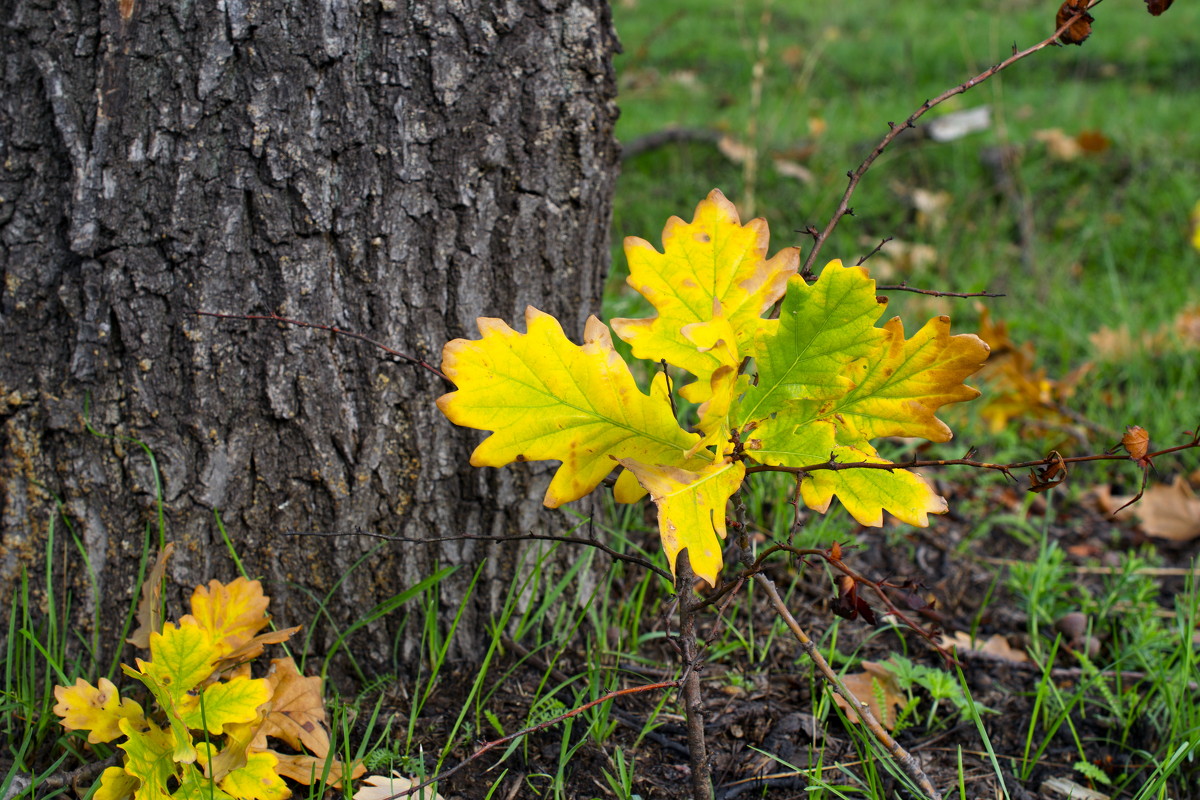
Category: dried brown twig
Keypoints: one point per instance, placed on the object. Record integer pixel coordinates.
(902, 756)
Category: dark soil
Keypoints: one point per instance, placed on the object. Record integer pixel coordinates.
(769, 706)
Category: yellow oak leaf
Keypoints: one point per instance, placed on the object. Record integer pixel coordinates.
(257, 779)
(897, 391)
(867, 493)
(691, 509)
(96, 709)
(232, 613)
(181, 658)
(545, 398)
(712, 261)
(229, 702)
(116, 784)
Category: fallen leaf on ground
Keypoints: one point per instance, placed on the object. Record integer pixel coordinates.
(863, 686)
(1166, 512)
(382, 787)
(1059, 145)
(996, 646)
(1069, 788)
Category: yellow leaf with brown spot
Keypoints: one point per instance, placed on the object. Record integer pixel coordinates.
(691, 509)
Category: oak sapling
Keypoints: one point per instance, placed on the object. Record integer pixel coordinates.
(828, 381)
(208, 735)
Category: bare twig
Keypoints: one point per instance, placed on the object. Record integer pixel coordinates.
(854, 176)
(834, 559)
(904, 287)
(902, 756)
(331, 329)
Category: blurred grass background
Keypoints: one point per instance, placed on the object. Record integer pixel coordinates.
(1074, 202)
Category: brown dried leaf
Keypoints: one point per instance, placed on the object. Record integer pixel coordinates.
(297, 714)
(1093, 141)
(1081, 28)
(996, 646)
(149, 606)
(308, 769)
(1157, 7)
(1169, 512)
(1059, 145)
(862, 685)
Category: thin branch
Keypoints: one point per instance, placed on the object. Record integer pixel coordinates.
(843, 208)
(878, 247)
(877, 587)
(904, 287)
(418, 362)
(636, 560)
(902, 756)
(968, 462)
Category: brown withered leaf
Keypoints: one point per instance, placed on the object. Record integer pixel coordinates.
(1081, 28)
(1092, 141)
(996, 646)
(149, 610)
(1060, 145)
(1157, 7)
(1166, 512)
(297, 714)
(1048, 476)
(308, 770)
(862, 685)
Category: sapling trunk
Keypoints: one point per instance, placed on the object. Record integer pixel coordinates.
(685, 582)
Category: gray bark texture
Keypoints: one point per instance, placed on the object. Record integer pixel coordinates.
(393, 167)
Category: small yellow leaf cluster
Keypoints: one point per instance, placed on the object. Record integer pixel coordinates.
(827, 381)
(208, 737)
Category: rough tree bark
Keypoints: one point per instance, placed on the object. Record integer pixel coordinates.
(396, 167)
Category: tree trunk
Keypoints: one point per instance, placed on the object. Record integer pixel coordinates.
(394, 167)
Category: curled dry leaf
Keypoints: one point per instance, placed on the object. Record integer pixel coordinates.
(863, 685)
(1136, 442)
(1081, 28)
(149, 610)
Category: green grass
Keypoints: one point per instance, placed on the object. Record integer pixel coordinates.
(1110, 231)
